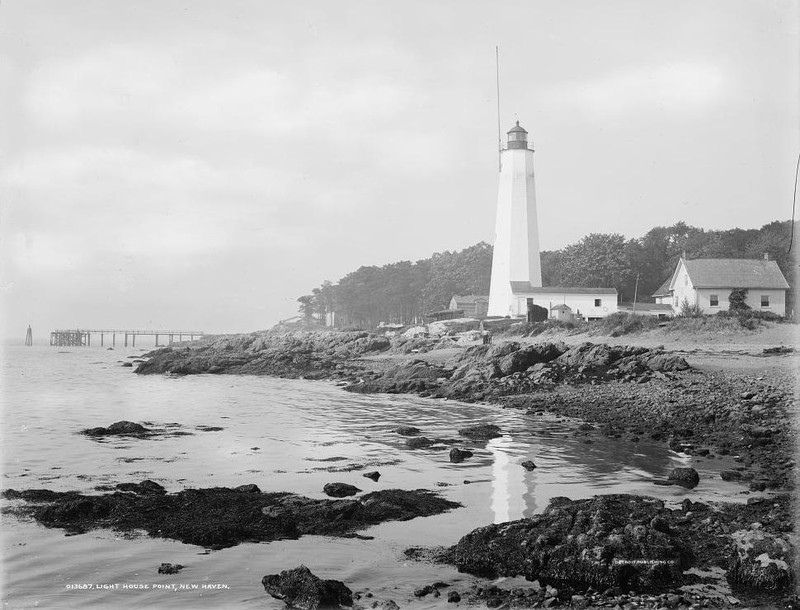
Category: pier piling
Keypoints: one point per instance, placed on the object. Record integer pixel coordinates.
(83, 337)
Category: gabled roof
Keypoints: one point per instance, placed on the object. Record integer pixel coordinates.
(526, 288)
(735, 273)
(663, 290)
(471, 298)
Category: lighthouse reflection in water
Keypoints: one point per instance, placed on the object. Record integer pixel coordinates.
(513, 486)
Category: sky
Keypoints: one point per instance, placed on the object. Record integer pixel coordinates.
(199, 165)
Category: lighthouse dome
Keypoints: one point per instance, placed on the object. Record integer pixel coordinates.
(516, 128)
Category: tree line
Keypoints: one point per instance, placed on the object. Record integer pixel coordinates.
(404, 292)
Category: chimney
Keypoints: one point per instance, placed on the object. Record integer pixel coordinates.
(766, 256)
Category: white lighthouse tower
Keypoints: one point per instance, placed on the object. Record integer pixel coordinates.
(516, 236)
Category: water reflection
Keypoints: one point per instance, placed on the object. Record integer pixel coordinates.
(513, 487)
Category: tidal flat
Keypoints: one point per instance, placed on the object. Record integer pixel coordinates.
(599, 421)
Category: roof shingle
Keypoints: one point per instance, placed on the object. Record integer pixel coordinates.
(526, 288)
(735, 273)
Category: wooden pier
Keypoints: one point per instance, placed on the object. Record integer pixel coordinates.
(83, 336)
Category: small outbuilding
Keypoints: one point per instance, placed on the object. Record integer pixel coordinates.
(562, 313)
(473, 305)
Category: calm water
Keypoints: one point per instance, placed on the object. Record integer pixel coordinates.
(283, 435)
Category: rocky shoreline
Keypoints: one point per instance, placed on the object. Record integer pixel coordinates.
(628, 392)
(609, 551)
(620, 392)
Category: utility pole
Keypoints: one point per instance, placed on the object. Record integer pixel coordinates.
(635, 293)
(29, 337)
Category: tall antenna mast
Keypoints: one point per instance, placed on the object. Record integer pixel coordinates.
(499, 135)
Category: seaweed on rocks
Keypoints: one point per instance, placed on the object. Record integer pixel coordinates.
(219, 517)
(459, 455)
(685, 477)
(634, 543)
(300, 588)
(481, 432)
(603, 542)
(120, 428)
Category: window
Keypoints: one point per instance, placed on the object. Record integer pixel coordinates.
(598, 302)
(686, 280)
(713, 300)
(764, 300)
(676, 301)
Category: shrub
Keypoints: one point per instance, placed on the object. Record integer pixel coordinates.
(737, 300)
(690, 311)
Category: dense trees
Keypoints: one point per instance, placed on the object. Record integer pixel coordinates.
(403, 292)
(464, 272)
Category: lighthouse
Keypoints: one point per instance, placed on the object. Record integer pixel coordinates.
(516, 236)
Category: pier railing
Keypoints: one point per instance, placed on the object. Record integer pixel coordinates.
(83, 336)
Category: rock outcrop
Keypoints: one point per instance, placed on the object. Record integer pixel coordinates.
(603, 542)
(219, 517)
(624, 542)
(485, 371)
(633, 543)
(309, 354)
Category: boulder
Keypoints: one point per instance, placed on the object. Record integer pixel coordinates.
(250, 488)
(528, 465)
(340, 490)
(374, 475)
(685, 477)
(528, 356)
(407, 431)
(459, 455)
(419, 442)
(118, 428)
(300, 588)
(169, 568)
(761, 561)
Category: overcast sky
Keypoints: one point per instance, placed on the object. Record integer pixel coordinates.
(200, 165)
